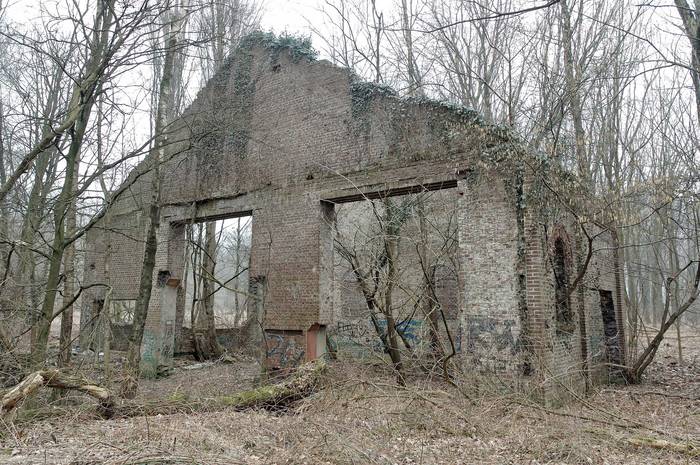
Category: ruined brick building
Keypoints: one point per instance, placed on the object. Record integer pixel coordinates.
(285, 138)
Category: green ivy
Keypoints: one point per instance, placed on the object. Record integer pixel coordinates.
(299, 47)
(362, 93)
(244, 88)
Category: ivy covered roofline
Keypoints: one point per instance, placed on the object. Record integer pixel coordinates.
(299, 47)
(504, 143)
(364, 92)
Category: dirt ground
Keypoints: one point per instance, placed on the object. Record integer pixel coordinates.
(362, 417)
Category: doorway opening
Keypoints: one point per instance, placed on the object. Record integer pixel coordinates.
(395, 276)
(214, 301)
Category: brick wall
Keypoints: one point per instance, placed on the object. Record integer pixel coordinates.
(488, 242)
(359, 231)
(284, 139)
(571, 356)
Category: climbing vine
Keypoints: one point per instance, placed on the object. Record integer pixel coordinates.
(299, 47)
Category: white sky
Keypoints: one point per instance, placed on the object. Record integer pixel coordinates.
(279, 15)
(290, 15)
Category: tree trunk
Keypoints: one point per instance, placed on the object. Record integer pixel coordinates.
(55, 379)
(391, 248)
(163, 114)
(36, 211)
(429, 302)
(572, 90)
(133, 356)
(691, 24)
(5, 249)
(237, 283)
(414, 81)
(30, 225)
(634, 373)
(206, 345)
(43, 325)
(85, 98)
(69, 288)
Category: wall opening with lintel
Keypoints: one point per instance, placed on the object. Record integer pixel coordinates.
(417, 228)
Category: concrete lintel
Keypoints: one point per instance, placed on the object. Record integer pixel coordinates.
(210, 210)
(380, 191)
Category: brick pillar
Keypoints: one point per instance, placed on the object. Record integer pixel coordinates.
(536, 281)
(488, 254)
(291, 253)
(159, 334)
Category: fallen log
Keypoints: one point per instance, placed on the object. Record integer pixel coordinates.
(55, 379)
(689, 448)
(279, 396)
(303, 382)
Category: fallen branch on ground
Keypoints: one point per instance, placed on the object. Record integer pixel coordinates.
(55, 379)
(303, 382)
(652, 393)
(684, 448)
(279, 396)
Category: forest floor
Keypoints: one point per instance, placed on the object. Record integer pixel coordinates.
(360, 416)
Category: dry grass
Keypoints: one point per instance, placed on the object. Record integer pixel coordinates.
(361, 416)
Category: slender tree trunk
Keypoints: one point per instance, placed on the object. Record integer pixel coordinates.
(237, 283)
(429, 303)
(196, 258)
(391, 248)
(69, 288)
(414, 81)
(206, 345)
(30, 225)
(691, 24)
(43, 325)
(163, 114)
(635, 372)
(574, 94)
(36, 206)
(4, 211)
(82, 101)
(379, 30)
(675, 265)
(133, 357)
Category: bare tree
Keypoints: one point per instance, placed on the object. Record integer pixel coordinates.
(691, 25)
(164, 115)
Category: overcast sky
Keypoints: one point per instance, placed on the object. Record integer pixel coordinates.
(279, 15)
(290, 15)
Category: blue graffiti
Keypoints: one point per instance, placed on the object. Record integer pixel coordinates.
(408, 328)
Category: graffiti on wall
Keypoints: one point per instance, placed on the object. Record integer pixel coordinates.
(284, 349)
(149, 356)
(360, 338)
(408, 329)
(491, 342)
(355, 337)
(488, 332)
